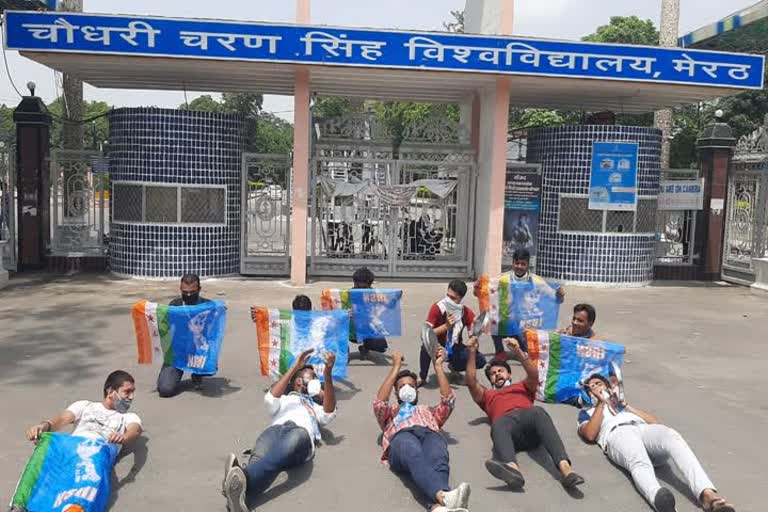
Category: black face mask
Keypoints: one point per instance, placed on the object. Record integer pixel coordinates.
(190, 299)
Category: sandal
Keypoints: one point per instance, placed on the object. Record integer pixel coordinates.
(573, 480)
(719, 505)
(512, 477)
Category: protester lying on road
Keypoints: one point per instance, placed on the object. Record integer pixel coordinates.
(290, 440)
(636, 441)
(516, 424)
(413, 444)
(82, 478)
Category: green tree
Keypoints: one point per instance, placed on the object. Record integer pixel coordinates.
(96, 131)
(7, 126)
(204, 103)
(457, 24)
(273, 134)
(626, 30)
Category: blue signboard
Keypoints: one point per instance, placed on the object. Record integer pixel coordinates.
(266, 42)
(613, 183)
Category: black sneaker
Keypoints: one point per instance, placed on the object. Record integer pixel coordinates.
(363, 352)
(197, 380)
(664, 501)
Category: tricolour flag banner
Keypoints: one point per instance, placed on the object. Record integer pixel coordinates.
(565, 361)
(515, 306)
(284, 334)
(375, 313)
(186, 337)
(66, 473)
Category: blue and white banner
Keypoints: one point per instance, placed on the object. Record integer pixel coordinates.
(613, 182)
(67, 473)
(325, 331)
(376, 313)
(514, 306)
(269, 42)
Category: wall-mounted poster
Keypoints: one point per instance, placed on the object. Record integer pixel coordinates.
(613, 183)
(522, 204)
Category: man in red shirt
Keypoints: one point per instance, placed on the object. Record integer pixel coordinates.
(412, 441)
(516, 424)
(448, 318)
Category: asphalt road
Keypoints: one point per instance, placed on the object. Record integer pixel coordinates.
(696, 358)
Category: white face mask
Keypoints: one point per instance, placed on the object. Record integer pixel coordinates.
(313, 387)
(407, 394)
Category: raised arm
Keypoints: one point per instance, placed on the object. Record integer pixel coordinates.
(51, 425)
(531, 371)
(278, 388)
(445, 386)
(590, 430)
(385, 390)
(476, 389)
(329, 394)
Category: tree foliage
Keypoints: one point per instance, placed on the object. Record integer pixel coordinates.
(95, 132)
(626, 30)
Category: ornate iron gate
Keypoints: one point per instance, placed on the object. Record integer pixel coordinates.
(80, 203)
(266, 214)
(8, 240)
(676, 229)
(746, 216)
(402, 212)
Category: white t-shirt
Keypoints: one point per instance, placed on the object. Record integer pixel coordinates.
(299, 409)
(610, 420)
(94, 420)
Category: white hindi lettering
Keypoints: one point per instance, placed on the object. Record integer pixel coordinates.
(369, 50)
(644, 64)
(134, 29)
(51, 31)
(688, 64)
(228, 41)
(431, 49)
(529, 54)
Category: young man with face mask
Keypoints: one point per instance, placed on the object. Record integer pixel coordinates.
(448, 318)
(583, 319)
(635, 440)
(290, 440)
(412, 442)
(516, 424)
(108, 420)
(169, 379)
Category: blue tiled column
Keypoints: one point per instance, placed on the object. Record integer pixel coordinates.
(613, 259)
(165, 146)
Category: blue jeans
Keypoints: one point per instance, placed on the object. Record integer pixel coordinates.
(421, 454)
(460, 357)
(278, 448)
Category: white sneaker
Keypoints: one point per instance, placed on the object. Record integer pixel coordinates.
(234, 489)
(230, 463)
(446, 509)
(457, 498)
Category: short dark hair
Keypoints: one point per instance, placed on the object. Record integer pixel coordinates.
(403, 374)
(302, 303)
(116, 379)
(363, 278)
(301, 370)
(458, 286)
(493, 363)
(521, 255)
(596, 376)
(589, 309)
(191, 279)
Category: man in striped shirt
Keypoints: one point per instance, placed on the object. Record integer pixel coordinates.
(413, 444)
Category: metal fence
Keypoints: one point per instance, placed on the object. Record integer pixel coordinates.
(8, 206)
(676, 229)
(79, 203)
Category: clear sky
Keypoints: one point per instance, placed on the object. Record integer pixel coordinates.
(562, 19)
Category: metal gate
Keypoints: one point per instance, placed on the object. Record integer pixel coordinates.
(266, 214)
(746, 216)
(676, 229)
(8, 241)
(80, 203)
(402, 212)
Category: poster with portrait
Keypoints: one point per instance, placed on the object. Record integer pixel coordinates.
(522, 206)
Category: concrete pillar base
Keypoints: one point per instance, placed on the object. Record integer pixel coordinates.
(760, 286)
(4, 278)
